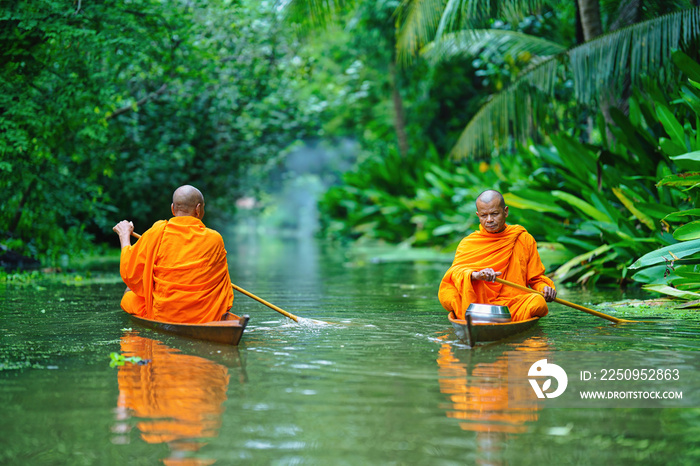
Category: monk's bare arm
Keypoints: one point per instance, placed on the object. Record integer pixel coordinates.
(124, 229)
(487, 274)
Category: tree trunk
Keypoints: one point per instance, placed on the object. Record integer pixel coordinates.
(399, 117)
(20, 207)
(590, 19)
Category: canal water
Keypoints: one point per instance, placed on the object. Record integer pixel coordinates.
(387, 382)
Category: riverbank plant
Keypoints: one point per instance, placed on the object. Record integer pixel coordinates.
(107, 107)
(599, 206)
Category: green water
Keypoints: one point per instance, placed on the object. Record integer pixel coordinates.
(388, 384)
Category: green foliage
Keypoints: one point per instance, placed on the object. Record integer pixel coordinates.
(235, 106)
(634, 46)
(108, 106)
(600, 206)
(53, 113)
(668, 254)
(660, 269)
(416, 201)
(616, 211)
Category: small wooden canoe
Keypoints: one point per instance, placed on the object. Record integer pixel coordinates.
(477, 332)
(228, 331)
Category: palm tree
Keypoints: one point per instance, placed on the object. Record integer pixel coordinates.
(600, 66)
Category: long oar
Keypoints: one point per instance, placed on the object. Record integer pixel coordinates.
(270, 305)
(251, 295)
(566, 303)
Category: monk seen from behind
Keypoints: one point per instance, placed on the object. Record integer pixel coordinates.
(496, 250)
(177, 270)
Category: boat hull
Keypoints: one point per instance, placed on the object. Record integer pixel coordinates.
(480, 332)
(228, 332)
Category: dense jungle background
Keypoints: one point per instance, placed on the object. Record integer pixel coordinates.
(389, 115)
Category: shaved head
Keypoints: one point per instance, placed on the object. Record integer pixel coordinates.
(188, 201)
(492, 211)
(488, 196)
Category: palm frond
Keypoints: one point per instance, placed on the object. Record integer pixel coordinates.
(640, 49)
(418, 20)
(451, 16)
(510, 112)
(467, 43)
(598, 68)
(515, 10)
(313, 13)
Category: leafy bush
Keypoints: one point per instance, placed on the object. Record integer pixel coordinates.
(107, 107)
(598, 205)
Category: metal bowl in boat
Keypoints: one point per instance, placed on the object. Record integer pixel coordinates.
(488, 313)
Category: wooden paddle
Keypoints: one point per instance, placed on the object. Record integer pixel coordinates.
(251, 295)
(565, 303)
(270, 305)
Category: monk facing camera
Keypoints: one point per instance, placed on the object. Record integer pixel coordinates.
(496, 250)
(177, 270)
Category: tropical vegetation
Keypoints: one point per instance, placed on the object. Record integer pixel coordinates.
(578, 136)
(585, 113)
(106, 106)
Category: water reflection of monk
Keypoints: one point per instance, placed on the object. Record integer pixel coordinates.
(477, 386)
(178, 397)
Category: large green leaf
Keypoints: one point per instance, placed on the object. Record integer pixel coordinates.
(438, 183)
(671, 148)
(689, 271)
(683, 179)
(668, 290)
(657, 211)
(564, 270)
(582, 205)
(641, 216)
(671, 125)
(553, 254)
(688, 231)
(447, 229)
(576, 242)
(652, 275)
(690, 67)
(527, 204)
(628, 135)
(675, 216)
(635, 113)
(605, 205)
(691, 98)
(679, 250)
(689, 161)
(580, 160)
(687, 284)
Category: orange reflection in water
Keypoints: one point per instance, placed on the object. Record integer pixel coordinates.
(477, 385)
(179, 398)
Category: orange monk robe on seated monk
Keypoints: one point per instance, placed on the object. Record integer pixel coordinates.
(177, 270)
(497, 249)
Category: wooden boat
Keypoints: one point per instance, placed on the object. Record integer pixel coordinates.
(228, 331)
(478, 332)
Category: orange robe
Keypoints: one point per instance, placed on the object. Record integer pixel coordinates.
(177, 272)
(479, 393)
(175, 398)
(513, 252)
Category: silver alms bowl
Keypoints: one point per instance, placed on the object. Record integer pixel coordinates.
(488, 313)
